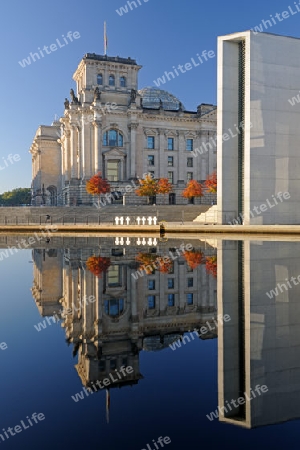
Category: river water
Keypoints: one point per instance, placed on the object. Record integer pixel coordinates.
(147, 343)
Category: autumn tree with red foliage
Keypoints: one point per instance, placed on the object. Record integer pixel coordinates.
(193, 189)
(150, 186)
(193, 258)
(211, 265)
(164, 186)
(97, 186)
(97, 265)
(211, 183)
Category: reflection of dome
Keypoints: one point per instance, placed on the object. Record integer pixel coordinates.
(152, 98)
(155, 343)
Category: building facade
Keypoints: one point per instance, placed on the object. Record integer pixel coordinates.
(258, 129)
(110, 319)
(112, 127)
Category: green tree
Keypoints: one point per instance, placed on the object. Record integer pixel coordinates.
(16, 197)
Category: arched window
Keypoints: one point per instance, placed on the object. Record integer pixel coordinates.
(99, 78)
(122, 81)
(113, 307)
(111, 81)
(112, 138)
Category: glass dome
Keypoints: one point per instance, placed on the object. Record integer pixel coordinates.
(153, 98)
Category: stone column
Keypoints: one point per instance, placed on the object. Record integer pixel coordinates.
(161, 154)
(74, 144)
(67, 155)
(97, 147)
(132, 170)
(86, 151)
(181, 151)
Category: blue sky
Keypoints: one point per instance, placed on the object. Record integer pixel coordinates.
(159, 34)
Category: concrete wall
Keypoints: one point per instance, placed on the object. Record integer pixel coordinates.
(272, 132)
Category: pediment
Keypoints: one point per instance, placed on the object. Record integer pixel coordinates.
(114, 152)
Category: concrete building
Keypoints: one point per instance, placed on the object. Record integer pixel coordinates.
(112, 127)
(258, 287)
(258, 168)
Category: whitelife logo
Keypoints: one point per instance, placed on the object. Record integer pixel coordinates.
(53, 47)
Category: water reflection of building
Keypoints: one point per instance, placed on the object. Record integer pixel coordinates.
(260, 345)
(128, 315)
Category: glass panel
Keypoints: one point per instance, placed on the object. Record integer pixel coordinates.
(189, 144)
(170, 177)
(150, 142)
(112, 137)
(171, 299)
(122, 81)
(105, 139)
(113, 276)
(111, 80)
(151, 285)
(152, 98)
(99, 78)
(190, 162)
(170, 160)
(151, 160)
(189, 298)
(170, 144)
(170, 283)
(120, 140)
(151, 301)
(113, 170)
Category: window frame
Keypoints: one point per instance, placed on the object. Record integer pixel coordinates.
(189, 160)
(170, 143)
(151, 139)
(113, 78)
(189, 145)
(190, 298)
(151, 160)
(100, 75)
(171, 300)
(151, 298)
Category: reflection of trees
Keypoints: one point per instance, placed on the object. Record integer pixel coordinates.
(97, 265)
(211, 265)
(193, 258)
(150, 262)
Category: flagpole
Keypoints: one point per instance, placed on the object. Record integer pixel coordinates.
(105, 40)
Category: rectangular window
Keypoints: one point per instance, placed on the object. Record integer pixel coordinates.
(113, 170)
(150, 142)
(190, 282)
(188, 268)
(189, 299)
(171, 177)
(170, 144)
(189, 176)
(151, 301)
(114, 276)
(189, 162)
(171, 299)
(152, 173)
(171, 268)
(170, 283)
(113, 364)
(150, 160)
(189, 144)
(170, 161)
(101, 365)
(151, 285)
